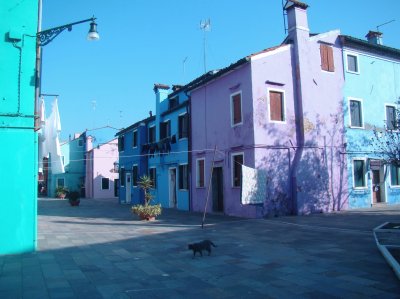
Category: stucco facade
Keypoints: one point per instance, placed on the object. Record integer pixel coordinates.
(19, 161)
(101, 176)
(297, 144)
(372, 73)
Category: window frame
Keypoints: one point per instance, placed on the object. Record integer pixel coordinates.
(185, 117)
(357, 63)
(233, 172)
(328, 50)
(135, 138)
(394, 106)
(122, 178)
(282, 92)
(232, 109)
(181, 179)
(198, 181)
(135, 179)
(152, 128)
(365, 180)
(153, 177)
(60, 179)
(391, 176)
(350, 99)
(168, 133)
(108, 179)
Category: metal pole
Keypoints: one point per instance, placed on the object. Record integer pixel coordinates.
(209, 185)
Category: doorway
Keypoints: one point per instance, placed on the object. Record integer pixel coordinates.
(378, 181)
(218, 189)
(128, 188)
(172, 188)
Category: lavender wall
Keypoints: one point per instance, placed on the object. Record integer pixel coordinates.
(211, 126)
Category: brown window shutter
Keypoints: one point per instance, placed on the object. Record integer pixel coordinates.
(237, 113)
(324, 57)
(331, 64)
(276, 111)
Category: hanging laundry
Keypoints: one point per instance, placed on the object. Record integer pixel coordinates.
(52, 141)
(254, 185)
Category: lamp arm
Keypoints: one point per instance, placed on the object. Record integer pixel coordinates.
(46, 36)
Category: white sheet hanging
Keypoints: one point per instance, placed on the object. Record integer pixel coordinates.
(52, 132)
(254, 185)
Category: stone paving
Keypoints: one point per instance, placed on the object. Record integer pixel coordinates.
(101, 250)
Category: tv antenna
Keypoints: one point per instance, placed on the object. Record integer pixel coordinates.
(183, 63)
(205, 25)
(377, 27)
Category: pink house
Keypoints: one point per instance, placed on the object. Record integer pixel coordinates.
(101, 179)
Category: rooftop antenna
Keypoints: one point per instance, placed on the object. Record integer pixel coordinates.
(377, 27)
(184, 61)
(205, 25)
(284, 17)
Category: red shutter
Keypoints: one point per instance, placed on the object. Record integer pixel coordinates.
(331, 64)
(275, 103)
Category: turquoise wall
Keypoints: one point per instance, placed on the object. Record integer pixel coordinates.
(376, 84)
(18, 153)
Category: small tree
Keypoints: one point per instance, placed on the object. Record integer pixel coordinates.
(146, 211)
(145, 183)
(386, 140)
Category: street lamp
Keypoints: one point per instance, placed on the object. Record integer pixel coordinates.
(46, 36)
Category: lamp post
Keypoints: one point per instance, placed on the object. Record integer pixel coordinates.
(43, 38)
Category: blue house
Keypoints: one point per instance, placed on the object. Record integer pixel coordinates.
(74, 160)
(132, 163)
(371, 95)
(158, 146)
(168, 147)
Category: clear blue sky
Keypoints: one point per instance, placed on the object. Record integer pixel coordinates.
(143, 42)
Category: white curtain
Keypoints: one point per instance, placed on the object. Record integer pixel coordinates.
(254, 185)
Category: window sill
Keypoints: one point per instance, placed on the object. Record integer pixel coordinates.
(353, 127)
(351, 72)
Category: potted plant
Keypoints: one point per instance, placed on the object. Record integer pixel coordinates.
(61, 192)
(73, 198)
(146, 211)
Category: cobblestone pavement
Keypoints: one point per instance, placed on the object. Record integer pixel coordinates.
(101, 250)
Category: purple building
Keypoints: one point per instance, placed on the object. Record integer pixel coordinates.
(277, 112)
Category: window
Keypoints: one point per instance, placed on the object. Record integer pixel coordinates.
(394, 175)
(352, 63)
(183, 177)
(172, 103)
(236, 109)
(276, 106)
(183, 122)
(152, 134)
(153, 176)
(359, 173)
(121, 143)
(80, 142)
(135, 175)
(237, 162)
(200, 173)
(327, 63)
(60, 182)
(122, 176)
(105, 183)
(391, 123)
(165, 129)
(134, 138)
(356, 113)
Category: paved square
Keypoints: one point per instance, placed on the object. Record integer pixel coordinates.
(101, 250)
